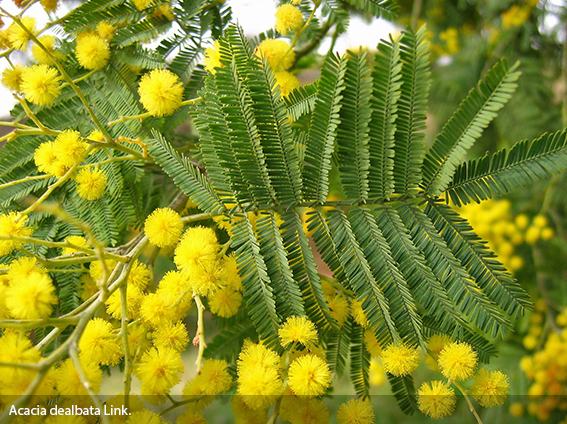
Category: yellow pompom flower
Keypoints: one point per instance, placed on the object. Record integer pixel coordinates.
(189, 417)
(97, 271)
(356, 411)
(161, 92)
(490, 388)
(212, 58)
(69, 383)
(358, 313)
(287, 82)
(307, 411)
(259, 381)
(18, 36)
(12, 77)
(340, 308)
(72, 149)
(92, 51)
(277, 53)
(244, 414)
(47, 160)
(229, 274)
(99, 344)
(257, 355)
(198, 247)
(400, 360)
(134, 298)
(41, 84)
(144, 416)
(176, 285)
(298, 330)
(105, 30)
(16, 349)
(309, 375)
(225, 302)
(139, 275)
(91, 183)
(77, 241)
(259, 386)
(49, 6)
(47, 41)
(22, 268)
(171, 336)
(214, 377)
(163, 227)
(457, 361)
(160, 370)
(435, 345)
(371, 344)
(436, 400)
(156, 309)
(288, 18)
(96, 135)
(32, 298)
(13, 224)
(142, 4)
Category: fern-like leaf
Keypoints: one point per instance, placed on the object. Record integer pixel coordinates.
(458, 135)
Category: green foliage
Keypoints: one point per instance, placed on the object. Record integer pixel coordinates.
(409, 258)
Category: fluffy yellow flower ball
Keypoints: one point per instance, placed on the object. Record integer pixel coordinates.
(69, 383)
(161, 92)
(105, 30)
(12, 224)
(18, 36)
(309, 375)
(47, 41)
(47, 160)
(400, 360)
(12, 77)
(31, 298)
(41, 84)
(163, 227)
(436, 400)
(288, 18)
(457, 361)
(225, 302)
(287, 82)
(49, 6)
(160, 370)
(356, 411)
(99, 343)
(91, 183)
(92, 51)
(171, 336)
(490, 388)
(298, 330)
(277, 53)
(72, 149)
(212, 58)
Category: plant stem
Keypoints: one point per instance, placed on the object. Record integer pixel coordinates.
(199, 339)
(73, 353)
(471, 406)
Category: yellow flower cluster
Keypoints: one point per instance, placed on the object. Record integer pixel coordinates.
(13, 224)
(259, 381)
(457, 361)
(451, 38)
(93, 51)
(515, 16)
(57, 157)
(288, 18)
(546, 367)
(27, 291)
(493, 221)
(161, 92)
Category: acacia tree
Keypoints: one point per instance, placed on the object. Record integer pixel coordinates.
(96, 171)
